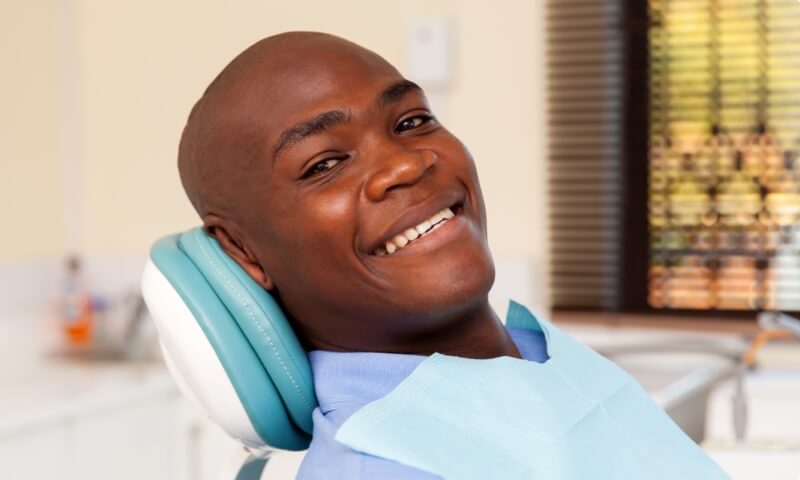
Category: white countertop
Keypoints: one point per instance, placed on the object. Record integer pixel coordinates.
(60, 391)
(40, 386)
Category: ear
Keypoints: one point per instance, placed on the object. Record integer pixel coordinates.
(228, 238)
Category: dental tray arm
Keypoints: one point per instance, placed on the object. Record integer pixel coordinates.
(775, 325)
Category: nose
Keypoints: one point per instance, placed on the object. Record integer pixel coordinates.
(402, 167)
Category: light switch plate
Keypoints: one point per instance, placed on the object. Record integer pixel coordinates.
(430, 48)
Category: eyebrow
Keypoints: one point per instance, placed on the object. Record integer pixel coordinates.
(332, 118)
(396, 92)
(299, 132)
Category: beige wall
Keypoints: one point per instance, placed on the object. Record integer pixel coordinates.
(142, 64)
(30, 166)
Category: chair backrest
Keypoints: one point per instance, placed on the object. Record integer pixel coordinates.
(228, 344)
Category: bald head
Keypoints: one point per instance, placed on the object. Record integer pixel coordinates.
(307, 158)
(224, 144)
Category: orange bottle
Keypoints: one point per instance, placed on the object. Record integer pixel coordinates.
(77, 315)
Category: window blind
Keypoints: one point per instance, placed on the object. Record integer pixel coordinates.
(674, 154)
(724, 138)
(586, 92)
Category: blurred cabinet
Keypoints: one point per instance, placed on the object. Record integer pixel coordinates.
(38, 453)
(126, 430)
(152, 435)
(137, 442)
(133, 440)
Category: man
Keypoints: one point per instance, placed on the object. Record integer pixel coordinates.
(323, 173)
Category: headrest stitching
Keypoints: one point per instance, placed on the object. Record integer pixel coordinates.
(245, 304)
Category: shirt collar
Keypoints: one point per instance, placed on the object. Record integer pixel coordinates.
(348, 377)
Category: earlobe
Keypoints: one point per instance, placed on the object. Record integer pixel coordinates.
(236, 249)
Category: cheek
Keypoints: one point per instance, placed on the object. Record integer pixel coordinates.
(324, 220)
(463, 163)
(322, 255)
(321, 240)
(333, 211)
(468, 164)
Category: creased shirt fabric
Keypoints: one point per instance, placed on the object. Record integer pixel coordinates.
(345, 382)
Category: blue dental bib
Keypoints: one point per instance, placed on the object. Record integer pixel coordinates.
(576, 416)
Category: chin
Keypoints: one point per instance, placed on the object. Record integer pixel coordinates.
(457, 287)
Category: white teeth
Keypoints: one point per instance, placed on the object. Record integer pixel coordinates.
(411, 234)
(423, 227)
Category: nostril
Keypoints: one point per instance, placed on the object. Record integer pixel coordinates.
(429, 157)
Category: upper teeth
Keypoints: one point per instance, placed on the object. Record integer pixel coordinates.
(401, 240)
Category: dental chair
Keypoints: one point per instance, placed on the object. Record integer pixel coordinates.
(229, 347)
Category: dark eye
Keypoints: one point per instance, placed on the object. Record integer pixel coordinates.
(411, 123)
(322, 167)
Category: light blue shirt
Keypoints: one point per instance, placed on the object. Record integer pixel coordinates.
(345, 382)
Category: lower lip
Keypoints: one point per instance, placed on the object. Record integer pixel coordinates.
(439, 237)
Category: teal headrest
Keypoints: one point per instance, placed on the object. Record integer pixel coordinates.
(249, 333)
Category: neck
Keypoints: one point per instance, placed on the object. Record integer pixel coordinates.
(477, 335)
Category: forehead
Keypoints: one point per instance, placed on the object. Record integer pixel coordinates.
(290, 85)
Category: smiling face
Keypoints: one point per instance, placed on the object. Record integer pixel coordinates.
(360, 210)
